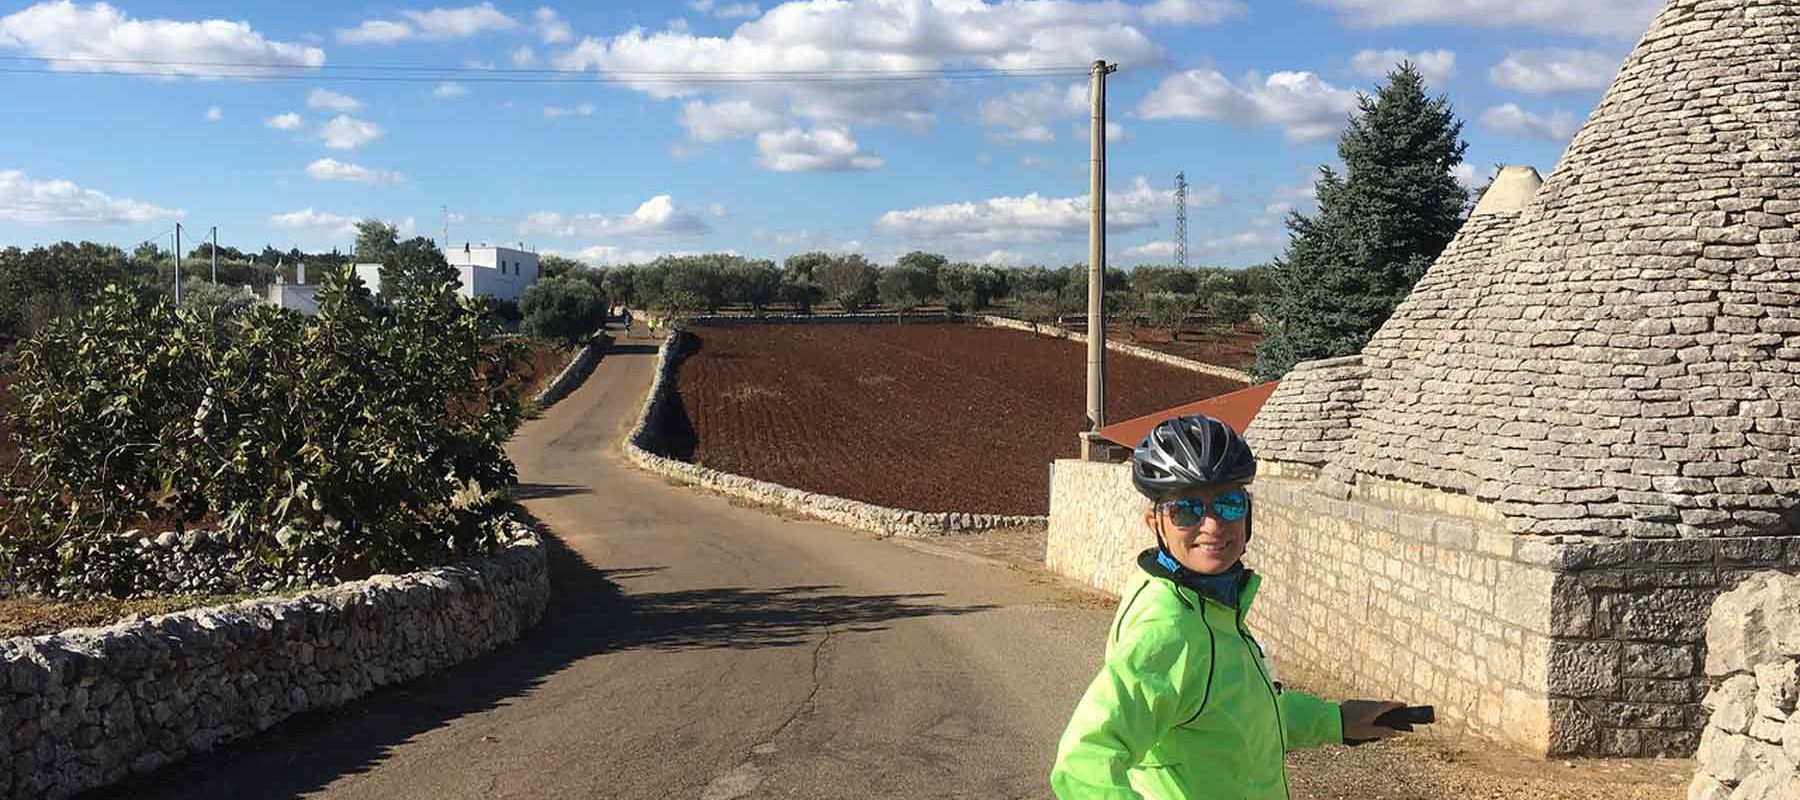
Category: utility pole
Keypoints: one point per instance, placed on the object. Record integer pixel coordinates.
(1181, 220)
(215, 254)
(444, 244)
(1092, 447)
(177, 263)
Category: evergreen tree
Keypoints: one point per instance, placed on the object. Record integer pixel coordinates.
(1379, 226)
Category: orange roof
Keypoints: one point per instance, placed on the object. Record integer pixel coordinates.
(1236, 409)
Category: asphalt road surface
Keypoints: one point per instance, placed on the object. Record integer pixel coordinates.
(695, 649)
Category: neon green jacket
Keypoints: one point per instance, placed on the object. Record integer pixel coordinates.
(1185, 707)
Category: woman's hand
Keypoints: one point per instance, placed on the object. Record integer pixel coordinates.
(1359, 719)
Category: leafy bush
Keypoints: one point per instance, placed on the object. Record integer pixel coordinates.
(967, 287)
(358, 441)
(566, 309)
(905, 287)
(849, 280)
(216, 299)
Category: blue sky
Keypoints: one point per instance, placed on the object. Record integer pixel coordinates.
(1245, 97)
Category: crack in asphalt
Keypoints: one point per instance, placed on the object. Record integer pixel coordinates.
(743, 778)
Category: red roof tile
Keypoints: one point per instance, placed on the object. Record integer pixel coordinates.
(1236, 409)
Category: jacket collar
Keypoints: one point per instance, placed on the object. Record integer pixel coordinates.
(1235, 592)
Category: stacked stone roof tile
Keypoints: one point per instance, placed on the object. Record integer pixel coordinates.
(1317, 405)
(1620, 358)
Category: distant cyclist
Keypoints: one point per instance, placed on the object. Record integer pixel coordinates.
(1186, 705)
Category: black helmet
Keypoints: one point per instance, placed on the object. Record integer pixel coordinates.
(1185, 452)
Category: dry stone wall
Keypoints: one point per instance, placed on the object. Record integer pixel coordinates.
(1123, 347)
(1310, 416)
(641, 446)
(88, 707)
(574, 372)
(1751, 747)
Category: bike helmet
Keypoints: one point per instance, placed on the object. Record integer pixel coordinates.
(1186, 452)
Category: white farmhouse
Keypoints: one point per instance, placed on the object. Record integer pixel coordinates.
(498, 272)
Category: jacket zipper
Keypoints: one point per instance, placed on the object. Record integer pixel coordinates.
(1280, 729)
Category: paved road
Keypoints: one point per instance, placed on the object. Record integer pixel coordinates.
(695, 649)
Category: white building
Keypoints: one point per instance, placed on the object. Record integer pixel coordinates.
(298, 296)
(498, 272)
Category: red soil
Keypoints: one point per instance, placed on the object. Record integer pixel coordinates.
(1232, 348)
(923, 417)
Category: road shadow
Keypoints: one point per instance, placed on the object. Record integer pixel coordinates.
(537, 491)
(634, 349)
(590, 614)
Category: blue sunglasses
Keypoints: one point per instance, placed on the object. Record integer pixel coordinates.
(1227, 507)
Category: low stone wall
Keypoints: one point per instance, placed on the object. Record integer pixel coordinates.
(1550, 645)
(87, 707)
(860, 318)
(574, 372)
(1751, 747)
(1123, 347)
(640, 446)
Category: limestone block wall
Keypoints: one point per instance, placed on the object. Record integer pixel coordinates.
(574, 372)
(1549, 645)
(1310, 418)
(88, 707)
(1751, 747)
(1123, 347)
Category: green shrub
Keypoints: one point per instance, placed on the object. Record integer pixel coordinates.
(566, 309)
(358, 441)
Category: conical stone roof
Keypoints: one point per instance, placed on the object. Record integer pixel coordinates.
(1619, 357)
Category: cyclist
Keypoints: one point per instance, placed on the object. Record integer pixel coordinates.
(1186, 705)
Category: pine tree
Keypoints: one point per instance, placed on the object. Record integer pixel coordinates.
(1379, 226)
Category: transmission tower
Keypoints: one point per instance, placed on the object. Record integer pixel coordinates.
(1181, 220)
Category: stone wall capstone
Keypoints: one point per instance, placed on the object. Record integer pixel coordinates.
(641, 444)
(88, 707)
(1751, 747)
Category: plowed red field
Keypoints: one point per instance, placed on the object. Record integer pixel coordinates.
(924, 417)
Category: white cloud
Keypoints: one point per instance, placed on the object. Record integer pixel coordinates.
(524, 56)
(601, 255)
(56, 201)
(1621, 18)
(103, 38)
(214, 114)
(1306, 107)
(327, 100)
(558, 112)
(551, 27)
(1193, 12)
(1438, 66)
(717, 210)
(436, 24)
(1278, 209)
(1003, 258)
(1158, 251)
(817, 150)
(448, 90)
(737, 11)
(1303, 193)
(1555, 70)
(1035, 218)
(1510, 118)
(284, 122)
(344, 132)
(376, 32)
(307, 218)
(1263, 239)
(1026, 114)
(331, 169)
(726, 120)
(1032, 162)
(867, 35)
(658, 216)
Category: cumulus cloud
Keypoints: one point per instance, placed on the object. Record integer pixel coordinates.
(307, 218)
(214, 114)
(345, 132)
(448, 90)
(726, 120)
(284, 122)
(57, 201)
(1253, 239)
(726, 10)
(558, 112)
(103, 38)
(1003, 258)
(1511, 119)
(817, 150)
(436, 24)
(524, 56)
(1306, 107)
(1437, 66)
(1555, 70)
(1159, 251)
(327, 100)
(1026, 115)
(331, 169)
(1034, 217)
(865, 35)
(1621, 18)
(658, 216)
(550, 26)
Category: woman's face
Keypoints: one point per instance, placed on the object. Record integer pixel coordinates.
(1209, 547)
